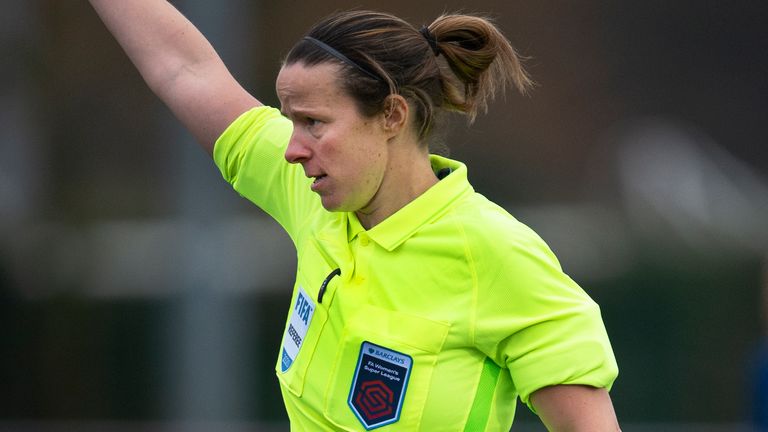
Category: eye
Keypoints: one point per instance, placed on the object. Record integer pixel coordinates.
(311, 122)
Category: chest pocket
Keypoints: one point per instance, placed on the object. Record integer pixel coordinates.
(307, 318)
(351, 404)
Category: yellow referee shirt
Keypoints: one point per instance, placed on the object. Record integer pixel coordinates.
(436, 319)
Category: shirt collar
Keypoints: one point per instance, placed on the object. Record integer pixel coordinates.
(400, 226)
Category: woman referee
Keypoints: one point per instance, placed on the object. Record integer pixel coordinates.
(418, 303)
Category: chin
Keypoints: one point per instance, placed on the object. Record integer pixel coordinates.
(336, 206)
(331, 205)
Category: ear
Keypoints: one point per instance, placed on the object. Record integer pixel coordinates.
(396, 113)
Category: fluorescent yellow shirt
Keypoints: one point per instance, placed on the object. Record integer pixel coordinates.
(437, 318)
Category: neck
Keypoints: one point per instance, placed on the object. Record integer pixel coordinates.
(408, 176)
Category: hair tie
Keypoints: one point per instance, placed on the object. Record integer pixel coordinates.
(431, 39)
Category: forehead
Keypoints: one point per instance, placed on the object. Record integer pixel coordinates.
(298, 84)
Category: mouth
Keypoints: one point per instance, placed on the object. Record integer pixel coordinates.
(318, 182)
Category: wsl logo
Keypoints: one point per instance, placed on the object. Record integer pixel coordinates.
(375, 400)
(379, 386)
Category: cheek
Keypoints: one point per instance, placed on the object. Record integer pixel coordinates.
(359, 174)
(373, 172)
(360, 159)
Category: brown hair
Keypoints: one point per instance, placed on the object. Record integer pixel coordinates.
(458, 63)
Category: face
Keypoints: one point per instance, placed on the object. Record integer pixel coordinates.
(343, 151)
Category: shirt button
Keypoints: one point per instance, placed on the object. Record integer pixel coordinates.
(364, 240)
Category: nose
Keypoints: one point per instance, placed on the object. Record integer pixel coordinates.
(297, 151)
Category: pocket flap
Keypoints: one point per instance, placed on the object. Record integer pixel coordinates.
(411, 330)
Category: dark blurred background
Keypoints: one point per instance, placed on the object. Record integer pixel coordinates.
(137, 291)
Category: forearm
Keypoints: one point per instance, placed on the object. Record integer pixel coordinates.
(178, 63)
(158, 39)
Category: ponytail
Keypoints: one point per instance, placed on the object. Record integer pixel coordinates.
(482, 61)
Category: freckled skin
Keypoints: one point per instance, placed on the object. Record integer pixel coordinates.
(361, 164)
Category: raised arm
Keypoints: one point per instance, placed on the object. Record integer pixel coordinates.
(178, 64)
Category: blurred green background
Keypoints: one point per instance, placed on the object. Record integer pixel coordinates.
(137, 289)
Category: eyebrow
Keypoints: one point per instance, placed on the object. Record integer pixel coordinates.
(295, 112)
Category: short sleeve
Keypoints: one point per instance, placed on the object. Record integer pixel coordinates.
(536, 321)
(250, 156)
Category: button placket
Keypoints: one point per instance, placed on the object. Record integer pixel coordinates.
(362, 255)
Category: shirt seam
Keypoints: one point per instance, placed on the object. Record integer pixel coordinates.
(473, 273)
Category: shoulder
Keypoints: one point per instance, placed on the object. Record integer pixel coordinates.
(491, 231)
(511, 261)
(263, 125)
(260, 122)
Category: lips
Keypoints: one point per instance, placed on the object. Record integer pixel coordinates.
(318, 182)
